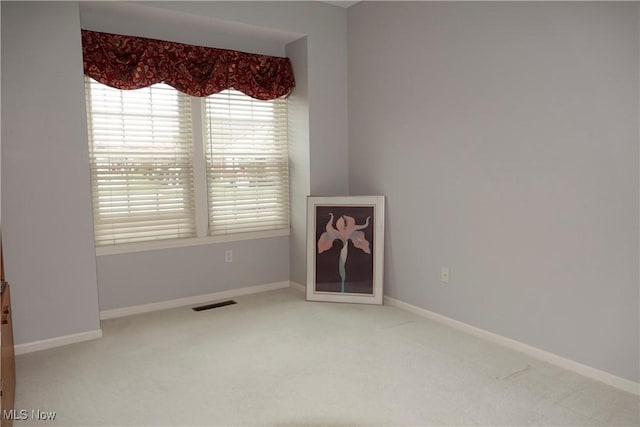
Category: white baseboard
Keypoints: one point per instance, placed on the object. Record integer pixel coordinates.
(545, 356)
(570, 365)
(198, 299)
(32, 346)
(298, 286)
(145, 308)
(579, 368)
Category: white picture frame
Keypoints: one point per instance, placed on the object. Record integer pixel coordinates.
(345, 249)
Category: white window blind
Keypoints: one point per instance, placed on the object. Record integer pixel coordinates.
(141, 158)
(247, 163)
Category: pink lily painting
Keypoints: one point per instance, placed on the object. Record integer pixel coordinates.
(345, 249)
(345, 230)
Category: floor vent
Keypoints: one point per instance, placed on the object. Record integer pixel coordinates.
(215, 305)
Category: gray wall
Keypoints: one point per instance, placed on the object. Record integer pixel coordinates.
(46, 206)
(156, 276)
(505, 136)
(299, 171)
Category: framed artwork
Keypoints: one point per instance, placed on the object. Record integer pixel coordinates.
(345, 249)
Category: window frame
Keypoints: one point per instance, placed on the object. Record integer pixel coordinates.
(201, 199)
(155, 245)
(244, 140)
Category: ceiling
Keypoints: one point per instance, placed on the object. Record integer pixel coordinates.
(341, 3)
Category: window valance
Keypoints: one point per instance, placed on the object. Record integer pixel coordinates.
(127, 62)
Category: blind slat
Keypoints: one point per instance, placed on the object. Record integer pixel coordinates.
(247, 163)
(141, 154)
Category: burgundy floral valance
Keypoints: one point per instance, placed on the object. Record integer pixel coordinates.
(127, 62)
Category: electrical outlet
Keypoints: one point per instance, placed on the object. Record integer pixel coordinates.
(228, 256)
(444, 274)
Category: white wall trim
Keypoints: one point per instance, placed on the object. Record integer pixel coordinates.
(298, 286)
(198, 299)
(579, 368)
(46, 344)
(545, 356)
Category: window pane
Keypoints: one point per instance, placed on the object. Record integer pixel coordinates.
(247, 163)
(141, 155)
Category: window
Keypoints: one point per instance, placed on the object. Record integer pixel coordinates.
(141, 158)
(145, 153)
(247, 163)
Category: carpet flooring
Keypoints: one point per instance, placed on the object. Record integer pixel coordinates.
(274, 359)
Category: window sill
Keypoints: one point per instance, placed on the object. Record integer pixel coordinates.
(183, 243)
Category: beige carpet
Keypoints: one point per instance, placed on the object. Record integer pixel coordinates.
(274, 359)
